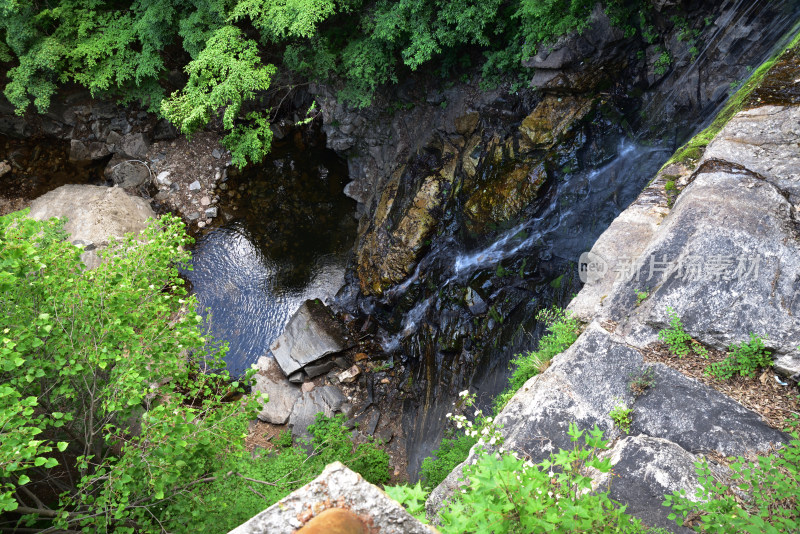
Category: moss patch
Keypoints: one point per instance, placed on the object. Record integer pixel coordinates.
(746, 97)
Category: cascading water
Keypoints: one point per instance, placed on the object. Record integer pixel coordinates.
(511, 275)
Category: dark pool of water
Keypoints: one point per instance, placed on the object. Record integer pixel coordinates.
(287, 234)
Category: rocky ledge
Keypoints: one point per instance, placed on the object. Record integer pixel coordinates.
(718, 242)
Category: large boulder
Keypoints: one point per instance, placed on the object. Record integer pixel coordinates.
(311, 334)
(674, 421)
(726, 259)
(94, 214)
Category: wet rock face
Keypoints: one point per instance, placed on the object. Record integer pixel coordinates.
(552, 119)
(391, 248)
(504, 197)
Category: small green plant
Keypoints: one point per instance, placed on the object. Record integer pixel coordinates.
(412, 497)
(675, 336)
(383, 366)
(670, 185)
(642, 381)
(764, 496)
(641, 295)
(563, 330)
(622, 416)
(283, 440)
(451, 452)
(662, 63)
(743, 359)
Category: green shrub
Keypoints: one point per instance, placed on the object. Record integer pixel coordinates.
(450, 453)
(78, 374)
(252, 484)
(745, 359)
(283, 440)
(563, 329)
(764, 496)
(506, 494)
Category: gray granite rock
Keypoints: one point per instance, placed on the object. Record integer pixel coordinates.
(644, 470)
(339, 486)
(765, 141)
(310, 335)
(93, 214)
(586, 382)
(282, 393)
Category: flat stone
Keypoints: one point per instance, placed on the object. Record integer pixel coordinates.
(305, 410)
(310, 335)
(348, 376)
(282, 393)
(194, 186)
(298, 377)
(211, 212)
(205, 201)
(316, 369)
(193, 216)
(307, 386)
(216, 154)
(336, 484)
(333, 396)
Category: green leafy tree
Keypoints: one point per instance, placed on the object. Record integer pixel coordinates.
(224, 75)
(104, 398)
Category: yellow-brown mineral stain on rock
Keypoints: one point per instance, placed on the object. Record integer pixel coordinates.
(551, 119)
(334, 521)
(387, 255)
(505, 196)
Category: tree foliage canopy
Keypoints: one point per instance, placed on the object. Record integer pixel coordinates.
(128, 48)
